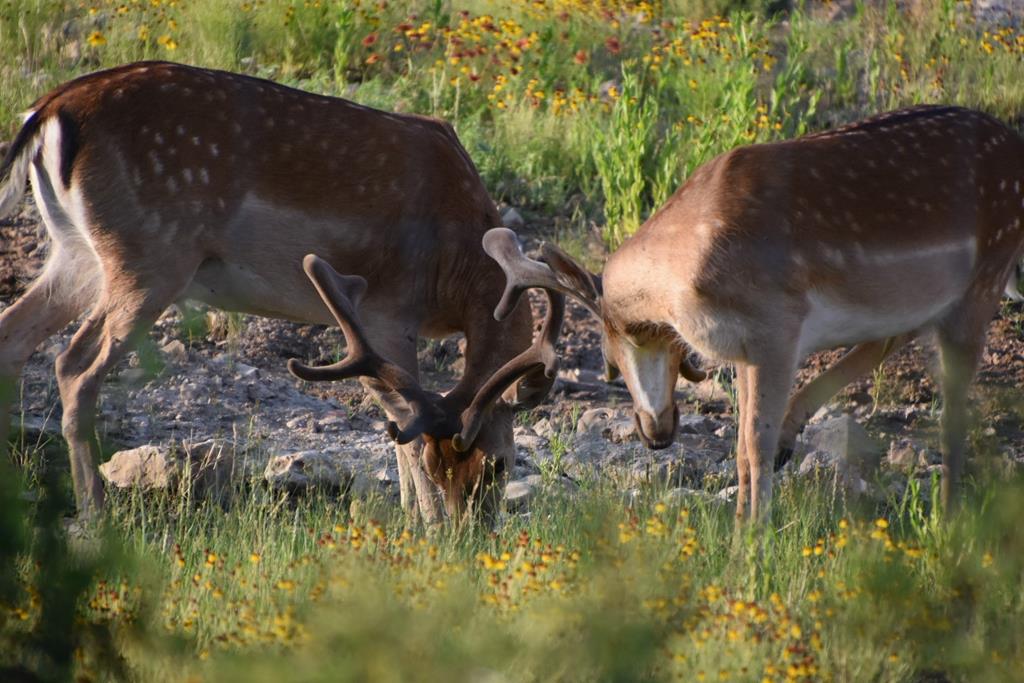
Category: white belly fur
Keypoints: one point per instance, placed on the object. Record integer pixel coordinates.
(831, 322)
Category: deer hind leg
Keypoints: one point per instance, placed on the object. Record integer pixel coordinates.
(857, 362)
(131, 301)
(768, 382)
(961, 340)
(65, 289)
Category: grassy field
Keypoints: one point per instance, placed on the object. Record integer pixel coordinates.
(585, 115)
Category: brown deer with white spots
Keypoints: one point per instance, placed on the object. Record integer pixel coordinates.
(866, 235)
(159, 182)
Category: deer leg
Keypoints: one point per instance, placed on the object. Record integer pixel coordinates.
(742, 465)
(49, 304)
(767, 385)
(126, 311)
(860, 360)
(419, 495)
(960, 355)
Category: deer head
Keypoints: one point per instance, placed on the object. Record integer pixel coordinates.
(648, 356)
(466, 450)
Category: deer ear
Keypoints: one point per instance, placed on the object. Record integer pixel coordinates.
(690, 371)
(586, 285)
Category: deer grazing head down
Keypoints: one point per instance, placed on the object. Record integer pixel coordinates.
(459, 446)
(862, 236)
(159, 182)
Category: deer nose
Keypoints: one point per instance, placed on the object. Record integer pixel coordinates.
(657, 431)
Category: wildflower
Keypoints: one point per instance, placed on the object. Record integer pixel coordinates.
(370, 40)
(580, 57)
(373, 58)
(613, 45)
(96, 39)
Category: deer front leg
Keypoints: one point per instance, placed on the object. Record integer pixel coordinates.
(419, 494)
(742, 466)
(857, 362)
(767, 385)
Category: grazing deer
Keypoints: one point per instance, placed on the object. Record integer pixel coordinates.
(864, 235)
(159, 181)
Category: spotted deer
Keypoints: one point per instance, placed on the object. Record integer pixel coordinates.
(866, 235)
(159, 181)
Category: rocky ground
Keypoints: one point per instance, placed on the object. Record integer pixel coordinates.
(214, 386)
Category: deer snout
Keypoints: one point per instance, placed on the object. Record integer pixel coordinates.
(657, 431)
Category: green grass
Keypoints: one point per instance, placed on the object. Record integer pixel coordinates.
(565, 105)
(585, 588)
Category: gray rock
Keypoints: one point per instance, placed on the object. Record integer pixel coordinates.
(205, 466)
(243, 371)
(35, 429)
(905, 454)
(148, 467)
(544, 428)
(594, 420)
(175, 351)
(728, 493)
(697, 424)
(842, 439)
(832, 466)
(512, 219)
(519, 492)
(608, 424)
(686, 496)
(308, 469)
(334, 421)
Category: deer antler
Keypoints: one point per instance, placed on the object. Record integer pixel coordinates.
(557, 271)
(540, 355)
(522, 273)
(341, 294)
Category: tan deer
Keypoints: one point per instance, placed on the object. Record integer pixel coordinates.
(158, 181)
(865, 235)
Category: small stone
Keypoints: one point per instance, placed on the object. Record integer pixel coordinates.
(544, 428)
(334, 421)
(594, 421)
(512, 219)
(297, 472)
(301, 422)
(520, 492)
(133, 376)
(175, 351)
(728, 493)
(696, 424)
(243, 371)
(904, 454)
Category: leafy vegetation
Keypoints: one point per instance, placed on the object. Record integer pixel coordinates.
(571, 108)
